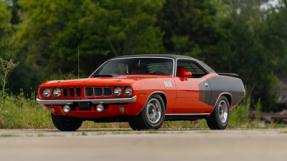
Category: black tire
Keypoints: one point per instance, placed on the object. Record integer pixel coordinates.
(144, 121)
(65, 123)
(217, 120)
(133, 125)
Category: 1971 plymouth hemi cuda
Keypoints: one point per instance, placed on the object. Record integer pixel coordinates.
(144, 90)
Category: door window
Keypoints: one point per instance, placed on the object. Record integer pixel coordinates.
(190, 66)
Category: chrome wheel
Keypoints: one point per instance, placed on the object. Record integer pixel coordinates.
(223, 111)
(153, 111)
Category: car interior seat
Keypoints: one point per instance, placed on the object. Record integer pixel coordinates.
(180, 71)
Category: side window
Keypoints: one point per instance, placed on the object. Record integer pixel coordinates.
(190, 66)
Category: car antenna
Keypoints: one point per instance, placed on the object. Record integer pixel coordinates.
(78, 61)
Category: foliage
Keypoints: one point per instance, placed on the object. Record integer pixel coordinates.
(52, 30)
(239, 116)
(20, 112)
(6, 67)
(258, 108)
(189, 26)
(5, 29)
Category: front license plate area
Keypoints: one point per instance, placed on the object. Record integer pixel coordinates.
(84, 106)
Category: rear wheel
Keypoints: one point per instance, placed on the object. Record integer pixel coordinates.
(151, 116)
(219, 118)
(65, 123)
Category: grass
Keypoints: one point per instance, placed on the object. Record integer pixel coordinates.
(9, 135)
(239, 116)
(19, 112)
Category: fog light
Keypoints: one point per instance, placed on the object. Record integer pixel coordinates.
(66, 108)
(122, 109)
(52, 110)
(100, 108)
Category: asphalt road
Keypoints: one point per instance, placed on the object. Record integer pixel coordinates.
(123, 144)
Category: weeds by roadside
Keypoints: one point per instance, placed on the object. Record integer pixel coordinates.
(239, 116)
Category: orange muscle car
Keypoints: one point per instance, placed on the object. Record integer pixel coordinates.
(144, 90)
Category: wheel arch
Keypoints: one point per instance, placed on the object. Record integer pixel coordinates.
(228, 96)
(163, 96)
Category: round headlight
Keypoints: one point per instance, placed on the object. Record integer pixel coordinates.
(46, 92)
(56, 92)
(128, 91)
(117, 91)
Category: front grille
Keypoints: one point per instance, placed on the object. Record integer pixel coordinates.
(65, 93)
(98, 91)
(89, 92)
(71, 92)
(78, 92)
(108, 91)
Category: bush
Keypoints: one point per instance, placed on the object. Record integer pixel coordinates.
(239, 116)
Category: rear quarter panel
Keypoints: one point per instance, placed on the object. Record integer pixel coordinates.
(226, 85)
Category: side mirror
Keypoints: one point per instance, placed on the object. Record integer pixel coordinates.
(185, 76)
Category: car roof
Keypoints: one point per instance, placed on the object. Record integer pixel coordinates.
(175, 57)
(157, 55)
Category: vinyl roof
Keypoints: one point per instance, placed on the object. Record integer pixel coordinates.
(158, 55)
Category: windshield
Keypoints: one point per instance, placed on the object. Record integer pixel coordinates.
(132, 66)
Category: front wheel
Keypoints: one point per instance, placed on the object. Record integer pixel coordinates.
(65, 123)
(152, 115)
(219, 118)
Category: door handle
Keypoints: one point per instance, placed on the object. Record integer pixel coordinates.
(206, 84)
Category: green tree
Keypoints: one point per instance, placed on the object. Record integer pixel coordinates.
(52, 31)
(249, 47)
(189, 27)
(5, 29)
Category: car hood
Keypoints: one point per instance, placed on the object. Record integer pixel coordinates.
(101, 81)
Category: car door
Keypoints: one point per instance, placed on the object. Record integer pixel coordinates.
(192, 90)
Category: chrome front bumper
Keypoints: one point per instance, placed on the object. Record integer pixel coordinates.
(94, 101)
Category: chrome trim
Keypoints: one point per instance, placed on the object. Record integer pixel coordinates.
(173, 73)
(94, 101)
(187, 114)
